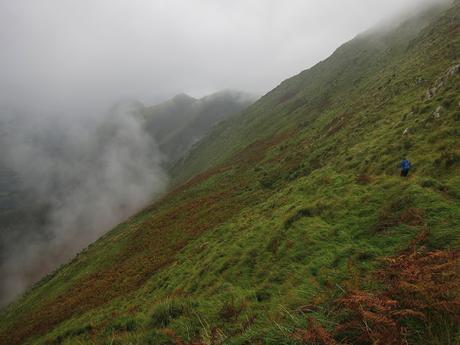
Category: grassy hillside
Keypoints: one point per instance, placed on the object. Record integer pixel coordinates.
(297, 228)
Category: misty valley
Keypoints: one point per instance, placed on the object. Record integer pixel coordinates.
(64, 182)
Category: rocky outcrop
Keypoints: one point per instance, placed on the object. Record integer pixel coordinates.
(440, 82)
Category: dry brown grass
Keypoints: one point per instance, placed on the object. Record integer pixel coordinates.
(314, 334)
(421, 295)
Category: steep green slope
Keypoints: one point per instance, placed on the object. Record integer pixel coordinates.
(297, 202)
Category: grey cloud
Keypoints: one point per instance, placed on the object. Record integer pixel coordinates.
(62, 53)
(87, 175)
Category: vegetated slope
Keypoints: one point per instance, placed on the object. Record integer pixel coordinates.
(298, 229)
(364, 75)
(179, 123)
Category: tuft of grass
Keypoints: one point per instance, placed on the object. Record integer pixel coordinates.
(123, 324)
(165, 312)
(304, 212)
(230, 310)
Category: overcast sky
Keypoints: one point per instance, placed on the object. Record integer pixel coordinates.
(91, 53)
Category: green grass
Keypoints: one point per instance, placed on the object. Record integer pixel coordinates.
(298, 201)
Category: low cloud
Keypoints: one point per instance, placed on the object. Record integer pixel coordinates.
(87, 176)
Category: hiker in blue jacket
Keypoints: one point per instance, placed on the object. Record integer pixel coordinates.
(405, 166)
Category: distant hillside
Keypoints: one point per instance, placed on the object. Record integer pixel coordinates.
(179, 123)
(290, 223)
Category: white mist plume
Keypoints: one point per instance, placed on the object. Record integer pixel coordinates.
(91, 174)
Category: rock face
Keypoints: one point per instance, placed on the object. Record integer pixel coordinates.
(437, 112)
(453, 70)
(431, 92)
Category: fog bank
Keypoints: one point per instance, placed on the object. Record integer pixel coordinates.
(87, 175)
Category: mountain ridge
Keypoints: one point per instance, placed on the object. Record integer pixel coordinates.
(293, 103)
(178, 123)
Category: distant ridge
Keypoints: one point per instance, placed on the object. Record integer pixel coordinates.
(180, 122)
